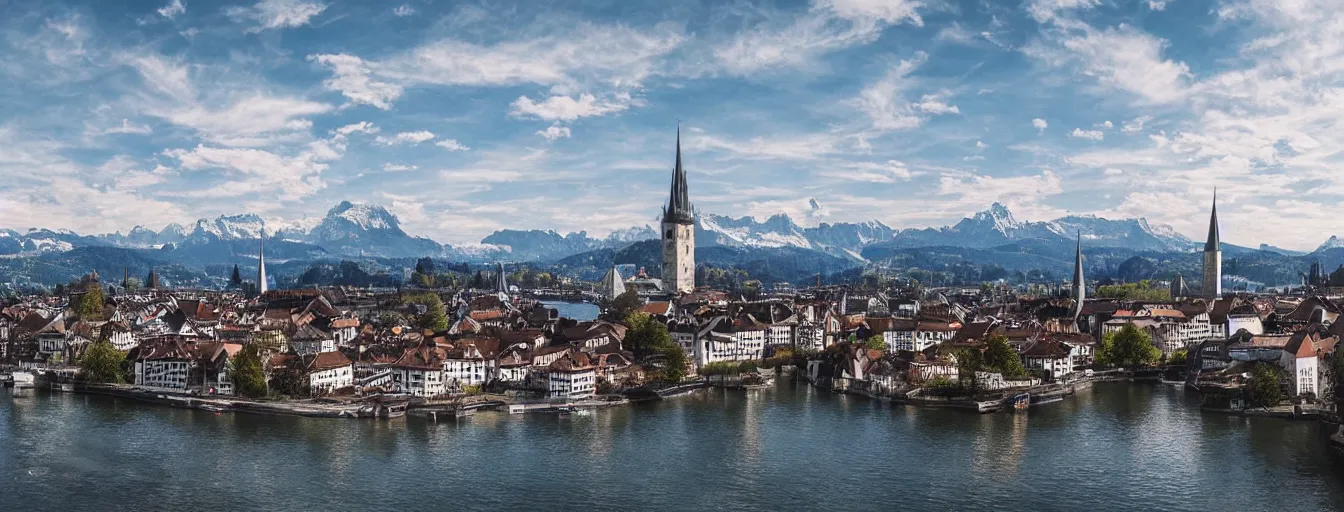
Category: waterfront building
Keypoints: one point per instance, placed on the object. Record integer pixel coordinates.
(722, 340)
(1048, 357)
(327, 372)
(678, 234)
(571, 376)
(1213, 257)
(471, 362)
(419, 372)
(913, 335)
(162, 365)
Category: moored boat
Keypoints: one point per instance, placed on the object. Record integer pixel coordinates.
(1020, 401)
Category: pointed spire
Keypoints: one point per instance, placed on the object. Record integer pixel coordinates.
(1213, 244)
(679, 200)
(261, 263)
(1079, 282)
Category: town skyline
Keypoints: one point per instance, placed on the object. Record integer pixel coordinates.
(466, 119)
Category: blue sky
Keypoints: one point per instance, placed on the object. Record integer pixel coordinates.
(464, 118)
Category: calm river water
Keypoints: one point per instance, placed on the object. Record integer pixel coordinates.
(1115, 447)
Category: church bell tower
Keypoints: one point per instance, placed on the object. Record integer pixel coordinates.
(678, 234)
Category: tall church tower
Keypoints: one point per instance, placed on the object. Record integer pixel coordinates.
(1079, 283)
(1213, 257)
(678, 234)
(261, 265)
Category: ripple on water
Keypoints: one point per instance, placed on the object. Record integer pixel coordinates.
(1116, 447)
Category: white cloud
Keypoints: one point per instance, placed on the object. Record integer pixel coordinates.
(391, 167)
(360, 127)
(225, 115)
(884, 100)
(554, 132)
(586, 54)
(1039, 124)
(403, 10)
(887, 11)
(273, 14)
(1158, 5)
(451, 145)
(412, 138)
(980, 144)
(129, 128)
(1079, 133)
(891, 171)
(1136, 125)
(173, 9)
(1122, 58)
(259, 172)
(829, 26)
(1111, 171)
(934, 104)
(565, 108)
(352, 77)
(1046, 10)
(1105, 125)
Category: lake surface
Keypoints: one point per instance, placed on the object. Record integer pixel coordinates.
(1115, 447)
(581, 311)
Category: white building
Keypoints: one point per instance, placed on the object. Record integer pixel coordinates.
(571, 376)
(328, 372)
(918, 335)
(1300, 359)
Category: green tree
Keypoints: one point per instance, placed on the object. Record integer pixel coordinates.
(1263, 390)
(1102, 353)
(875, 342)
(969, 361)
(90, 305)
(1179, 357)
(619, 309)
(1000, 357)
(675, 369)
(101, 362)
(245, 371)
(1129, 347)
(435, 317)
(646, 336)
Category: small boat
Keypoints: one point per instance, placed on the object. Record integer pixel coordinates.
(211, 408)
(1020, 401)
(392, 410)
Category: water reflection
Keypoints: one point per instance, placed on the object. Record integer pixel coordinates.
(787, 448)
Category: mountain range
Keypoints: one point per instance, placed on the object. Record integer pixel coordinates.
(370, 232)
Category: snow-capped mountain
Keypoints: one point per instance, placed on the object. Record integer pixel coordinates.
(1333, 243)
(845, 240)
(631, 235)
(996, 226)
(369, 230)
(227, 227)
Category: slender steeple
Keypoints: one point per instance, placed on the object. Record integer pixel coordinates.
(1079, 283)
(1213, 256)
(261, 264)
(1213, 244)
(679, 200)
(501, 285)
